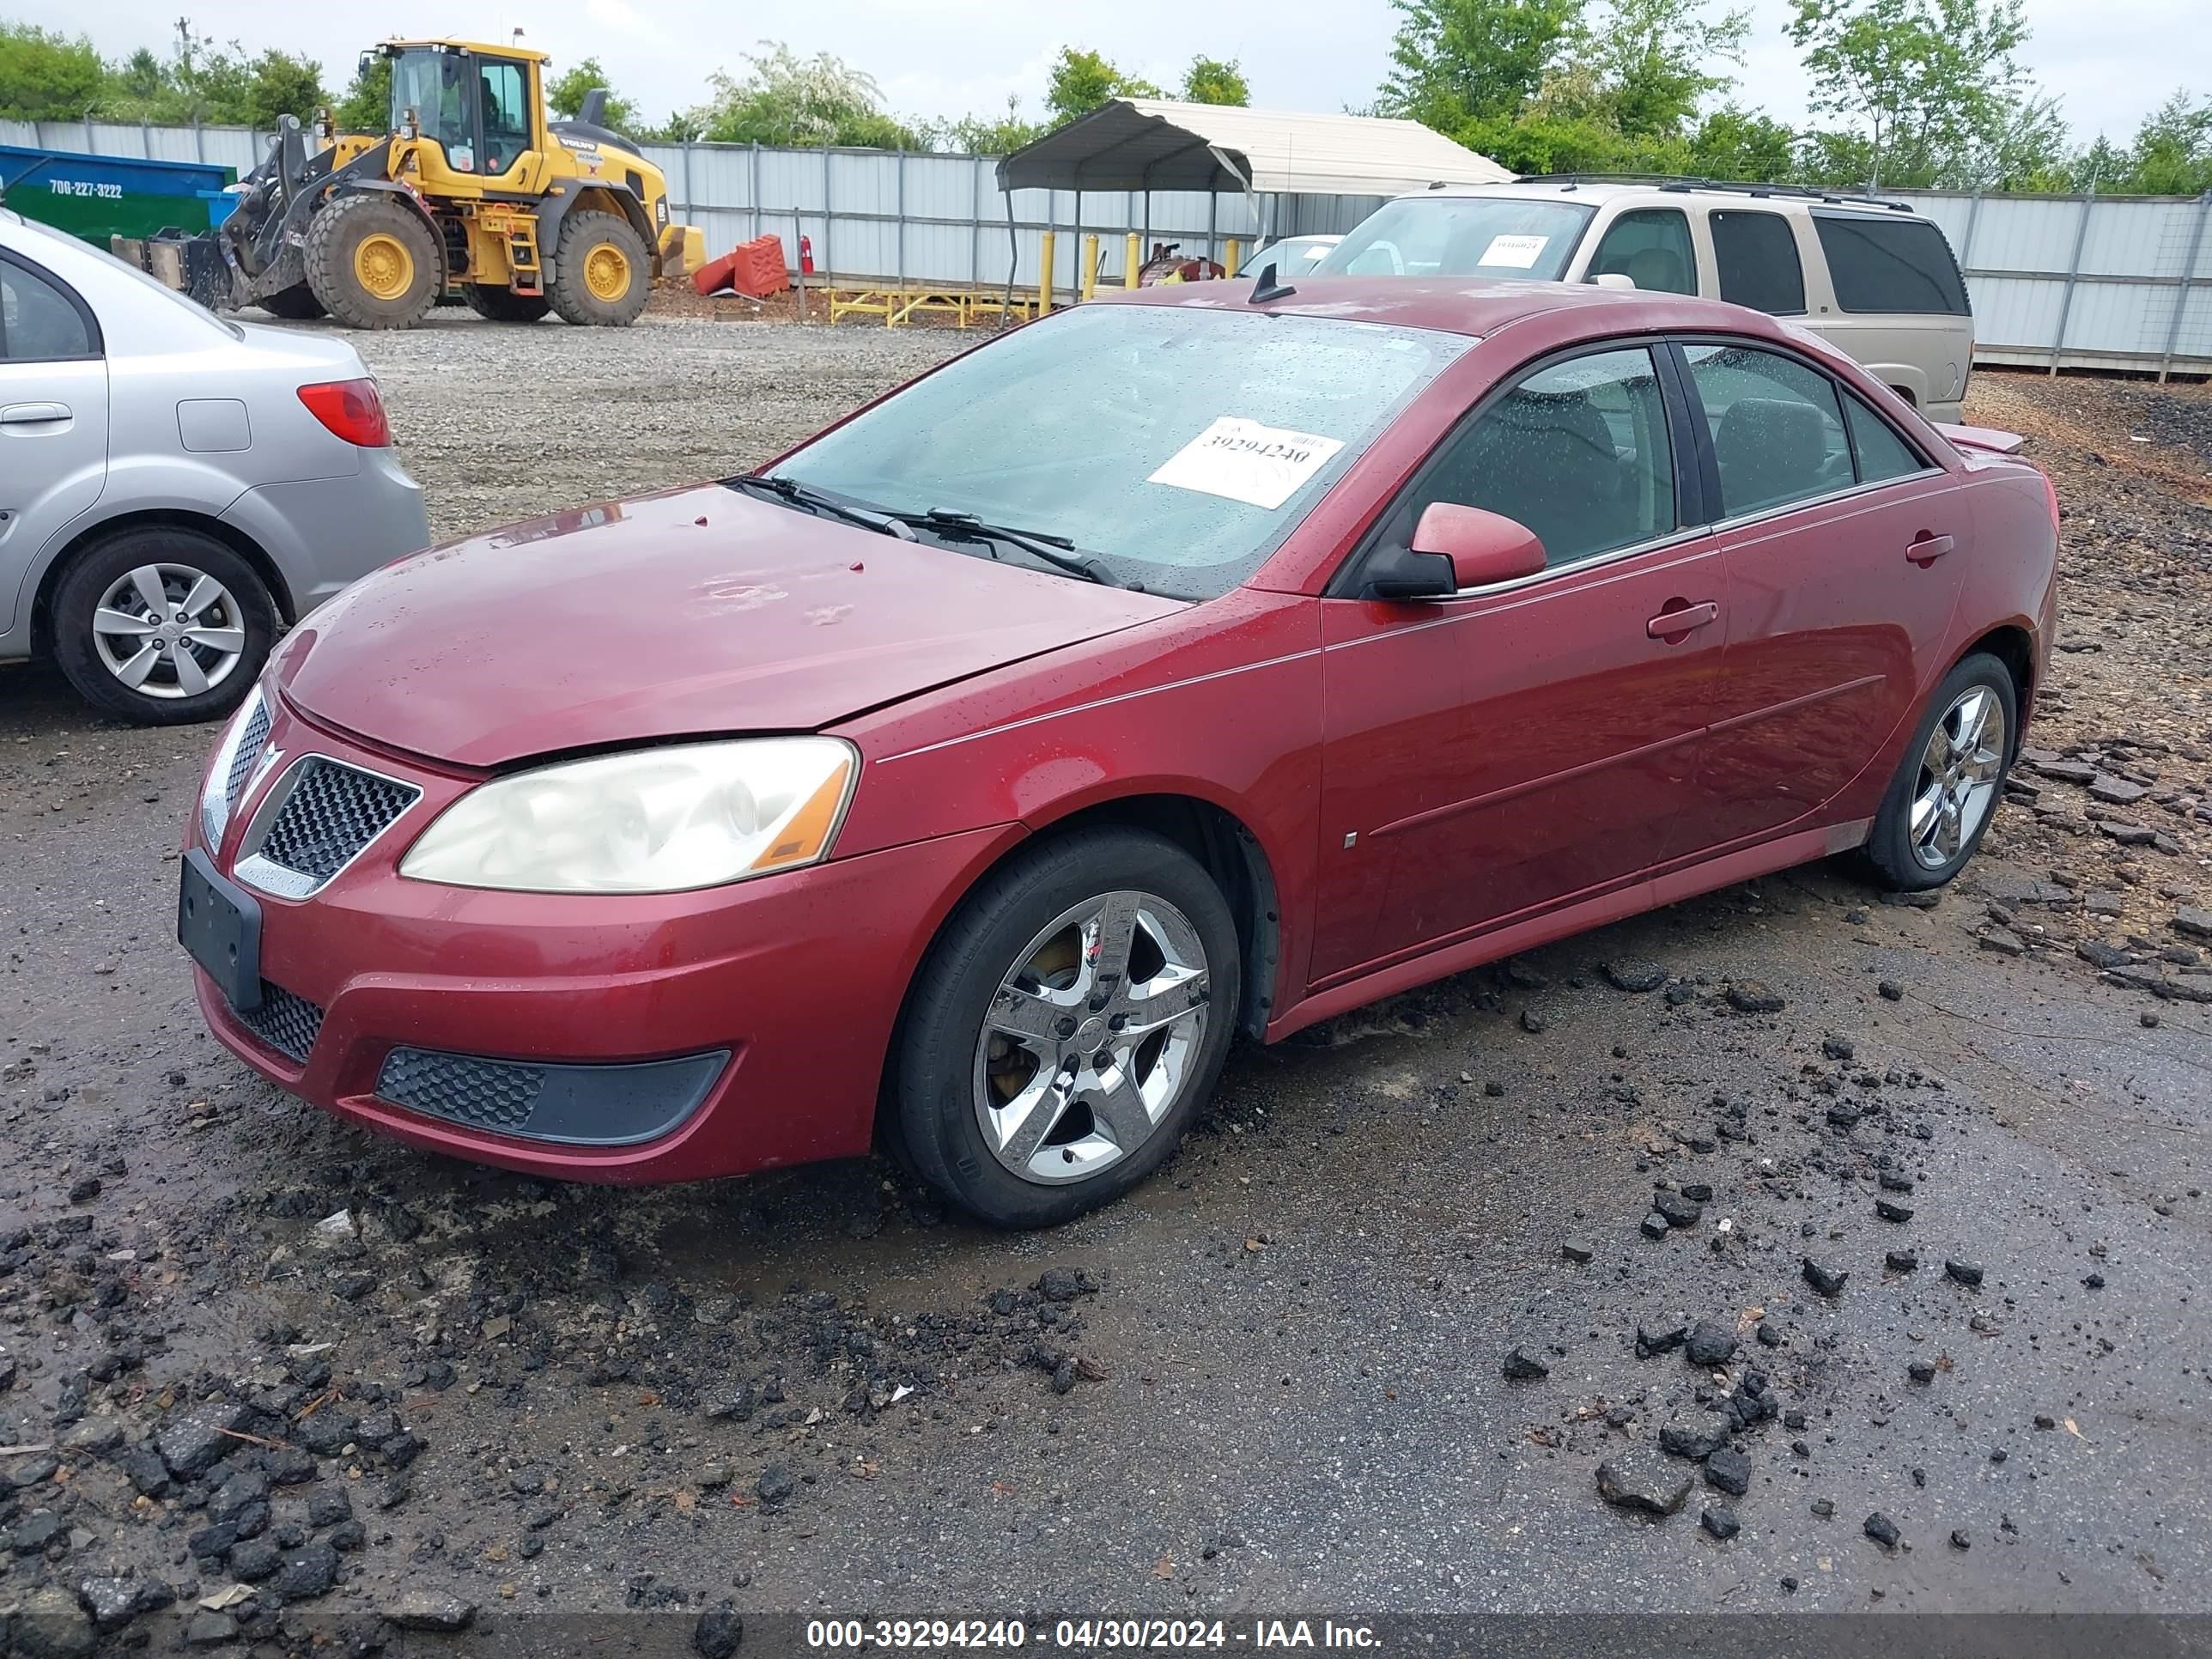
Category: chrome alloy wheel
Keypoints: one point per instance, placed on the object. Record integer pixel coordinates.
(1960, 771)
(1091, 1037)
(170, 631)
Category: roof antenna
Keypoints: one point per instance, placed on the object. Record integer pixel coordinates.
(1267, 287)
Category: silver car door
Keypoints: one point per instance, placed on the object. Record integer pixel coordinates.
(53, 419)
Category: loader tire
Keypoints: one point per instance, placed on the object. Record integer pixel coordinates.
(295, 304)
(373, 262)
(603, 274)
(504, 304)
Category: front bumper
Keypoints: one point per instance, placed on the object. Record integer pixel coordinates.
(776, 998)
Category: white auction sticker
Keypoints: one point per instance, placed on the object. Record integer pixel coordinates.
(1516, 252)
(1245, 461)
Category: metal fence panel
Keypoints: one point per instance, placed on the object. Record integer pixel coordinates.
(2139, 295)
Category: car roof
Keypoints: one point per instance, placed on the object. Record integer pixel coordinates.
(1593, 192)
(1475, 306)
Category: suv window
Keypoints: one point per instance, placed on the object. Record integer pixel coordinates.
(1777, 429)
(1578, 451)
(1651, 248)
(1756, 256)
(1880, 451)
(39, 320)
(1461, 236)
(1890, 264)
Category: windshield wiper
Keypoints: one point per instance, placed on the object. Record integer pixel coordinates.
(799, 494)
(1055, 551)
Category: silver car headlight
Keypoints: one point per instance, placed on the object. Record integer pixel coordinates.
(648, 820)
(235, 752)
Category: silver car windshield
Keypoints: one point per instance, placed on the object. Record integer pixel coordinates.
(1462, 236)
(1180, 445)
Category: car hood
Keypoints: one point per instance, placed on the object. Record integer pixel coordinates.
(690, 611)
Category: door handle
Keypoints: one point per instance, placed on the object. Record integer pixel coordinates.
(1682, 619)
(1926, 547)
(32, 414)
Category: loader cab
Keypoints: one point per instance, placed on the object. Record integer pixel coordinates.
(480, 104)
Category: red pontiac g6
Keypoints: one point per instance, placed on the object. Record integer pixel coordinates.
(1197, 663)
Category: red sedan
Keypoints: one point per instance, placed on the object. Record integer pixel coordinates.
(1198, 663)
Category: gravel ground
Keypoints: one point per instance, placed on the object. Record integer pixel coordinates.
(264, 1380)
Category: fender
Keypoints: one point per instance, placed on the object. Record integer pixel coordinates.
(563, 198)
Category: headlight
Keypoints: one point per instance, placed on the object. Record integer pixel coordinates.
(235, 752)
(651, 820)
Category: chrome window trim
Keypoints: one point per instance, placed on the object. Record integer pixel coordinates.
(1741, 519)
(276, 879)
(1675, 537)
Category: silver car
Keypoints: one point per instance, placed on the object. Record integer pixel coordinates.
(174, 487)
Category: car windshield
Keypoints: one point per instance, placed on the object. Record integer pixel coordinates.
(1177, 444)
(1461, 236)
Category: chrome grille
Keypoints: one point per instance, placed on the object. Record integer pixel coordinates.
(316, 821)
(490, 1094)
(242, 762)
(288, 1024)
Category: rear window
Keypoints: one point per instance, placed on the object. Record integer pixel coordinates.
(1755, 256)
(1461, 236)
(1890, 264)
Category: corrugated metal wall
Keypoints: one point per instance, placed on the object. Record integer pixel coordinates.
(2076, 281)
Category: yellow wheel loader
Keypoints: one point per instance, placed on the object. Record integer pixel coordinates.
(473, 195)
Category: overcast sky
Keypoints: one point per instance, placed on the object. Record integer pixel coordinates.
(2110, 61)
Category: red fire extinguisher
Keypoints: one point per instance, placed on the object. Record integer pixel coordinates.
(807, 255)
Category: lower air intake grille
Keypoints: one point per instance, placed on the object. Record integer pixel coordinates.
(286, 1022)
(488, 1094)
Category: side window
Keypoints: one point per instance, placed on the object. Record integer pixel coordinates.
(1889, 264)
(1651, 248)
(1756, 256)
(1578, 451)
(1881, 453)
(1778, 429)
(38, 322)
(506, 117)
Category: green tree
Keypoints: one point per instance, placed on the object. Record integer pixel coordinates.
(566, 95)
(1082, 80)
(2171, 155)
(201, 81)
(986, 135)
(1735, 144)
(367, 106)
(1460, 62)
(1922, 83)
(277, 83)
(783, 99)
(1211, 81)
(45, 76)
(1650, 63)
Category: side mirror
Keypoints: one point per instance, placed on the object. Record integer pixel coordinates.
(1613, 279)
(1483, 548)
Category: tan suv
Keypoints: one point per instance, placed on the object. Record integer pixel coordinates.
(1872, 277)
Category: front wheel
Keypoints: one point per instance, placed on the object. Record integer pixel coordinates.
(1066, 1027)
(1947, 788)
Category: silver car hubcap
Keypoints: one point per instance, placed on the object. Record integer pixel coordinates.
(1958, 774)
(1091, 1037)
(168, 631)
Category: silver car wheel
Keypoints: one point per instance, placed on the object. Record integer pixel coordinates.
(169, 631)
(1960, 772)
(1091, 1037)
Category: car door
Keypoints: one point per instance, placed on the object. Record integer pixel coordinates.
(53, 418)
(1844, 547)
(1509, 749)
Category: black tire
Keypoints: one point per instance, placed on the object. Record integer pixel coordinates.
(295, 304)
(335, 239)
(933, 1081)
(96, 569)
(1890, 852)
(583, 233)
(504, 304)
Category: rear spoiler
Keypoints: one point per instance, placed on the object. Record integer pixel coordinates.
(1986, 438)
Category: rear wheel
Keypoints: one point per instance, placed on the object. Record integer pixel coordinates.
(373, 261)
(603, 275)
(504, 304)
(1946, 787)
(1067, 1026)
(163, 626)
(295, 304)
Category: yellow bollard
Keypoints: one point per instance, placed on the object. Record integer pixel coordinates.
(1044, 274)
(1133, 263)
(1090, 266)
(1233, 256)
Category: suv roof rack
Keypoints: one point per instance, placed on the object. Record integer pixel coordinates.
(1738, 187)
